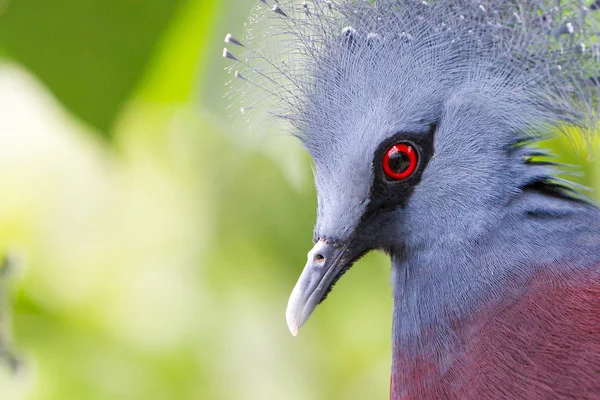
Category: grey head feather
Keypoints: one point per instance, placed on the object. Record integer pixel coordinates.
(343, 76)
(300, 58)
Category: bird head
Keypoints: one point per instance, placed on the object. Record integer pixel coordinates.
(414, 114)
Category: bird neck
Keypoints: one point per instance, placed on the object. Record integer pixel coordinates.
(438, 289)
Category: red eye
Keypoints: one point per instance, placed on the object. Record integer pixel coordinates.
(400, 161)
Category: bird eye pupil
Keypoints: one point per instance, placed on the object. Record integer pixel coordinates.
(400, 161)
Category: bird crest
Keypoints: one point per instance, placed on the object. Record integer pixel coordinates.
(322, 66)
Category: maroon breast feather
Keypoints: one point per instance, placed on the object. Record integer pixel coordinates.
(543, 345)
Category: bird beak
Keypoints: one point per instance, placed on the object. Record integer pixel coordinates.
(326, 263)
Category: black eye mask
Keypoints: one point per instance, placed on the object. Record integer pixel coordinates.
(387, 193)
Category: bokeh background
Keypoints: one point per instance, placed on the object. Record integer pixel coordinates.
(151, 243)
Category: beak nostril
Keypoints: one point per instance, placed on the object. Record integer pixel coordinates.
(319, 258)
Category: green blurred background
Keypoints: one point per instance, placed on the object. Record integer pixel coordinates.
(153, 245)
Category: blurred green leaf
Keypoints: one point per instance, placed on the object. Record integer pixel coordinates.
(89, 53)
(183, 55)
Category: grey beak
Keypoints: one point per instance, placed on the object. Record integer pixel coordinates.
(325, 263)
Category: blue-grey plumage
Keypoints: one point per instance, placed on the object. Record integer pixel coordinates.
(465, 85)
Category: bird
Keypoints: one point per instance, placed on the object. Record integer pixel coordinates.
(424, 122)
